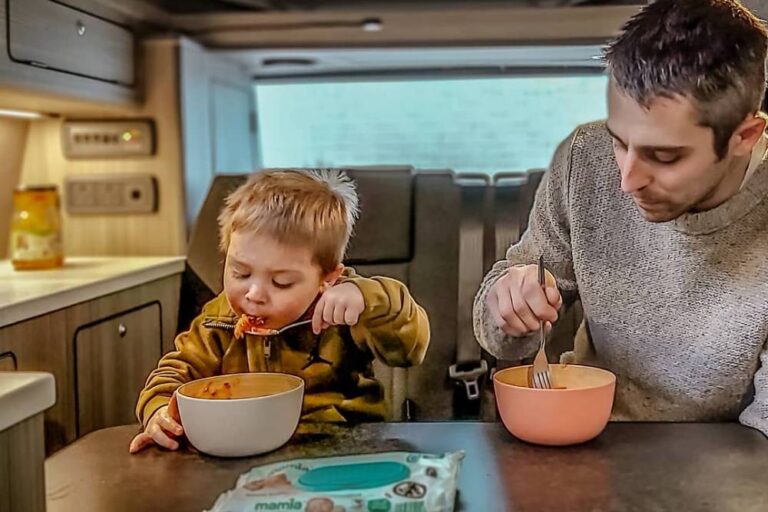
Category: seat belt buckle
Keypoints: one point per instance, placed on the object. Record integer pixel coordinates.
(469, 374)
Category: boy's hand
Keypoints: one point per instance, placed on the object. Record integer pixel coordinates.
(162, 429)
(518, 303)
(341, 304)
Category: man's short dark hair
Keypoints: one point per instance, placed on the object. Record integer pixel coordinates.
(712, 52)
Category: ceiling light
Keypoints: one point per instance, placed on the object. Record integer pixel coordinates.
(372, 25)
(21, 114)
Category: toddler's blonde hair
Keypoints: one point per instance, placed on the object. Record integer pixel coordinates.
(307, 207)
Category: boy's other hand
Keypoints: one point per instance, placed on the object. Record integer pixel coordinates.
(518, 303)
(163, 429)
(341, 304)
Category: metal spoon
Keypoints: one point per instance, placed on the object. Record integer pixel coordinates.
(275, 332)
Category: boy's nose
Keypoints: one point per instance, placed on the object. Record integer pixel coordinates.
(256, 294)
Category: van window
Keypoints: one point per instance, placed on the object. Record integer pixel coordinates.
(486, 125)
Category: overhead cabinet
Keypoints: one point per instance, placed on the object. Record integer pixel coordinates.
(51, 35)
(55, 48)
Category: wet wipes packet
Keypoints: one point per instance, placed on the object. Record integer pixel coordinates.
(381, 482)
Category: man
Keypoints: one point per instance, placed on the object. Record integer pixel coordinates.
(658, 220)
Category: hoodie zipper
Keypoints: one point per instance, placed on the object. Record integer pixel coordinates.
(217, 324)
(265, 340)
(267, 350)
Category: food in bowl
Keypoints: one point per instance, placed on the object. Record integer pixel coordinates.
(574, 414)
(241, 414)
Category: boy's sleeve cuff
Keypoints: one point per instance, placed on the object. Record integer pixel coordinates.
(153, 406)
(375, 297)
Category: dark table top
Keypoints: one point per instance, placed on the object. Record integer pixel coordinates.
(630, 467)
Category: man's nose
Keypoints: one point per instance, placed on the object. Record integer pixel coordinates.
(633, 174)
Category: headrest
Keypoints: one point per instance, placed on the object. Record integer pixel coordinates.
(384, 231)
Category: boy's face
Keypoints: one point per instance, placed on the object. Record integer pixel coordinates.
(271, 280)
(667, 159)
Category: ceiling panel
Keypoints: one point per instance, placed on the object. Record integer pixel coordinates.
(209, 6)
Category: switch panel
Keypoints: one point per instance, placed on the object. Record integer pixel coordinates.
(124, 193)
(107, 138)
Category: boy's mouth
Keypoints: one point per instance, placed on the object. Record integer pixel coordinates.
(260, 319)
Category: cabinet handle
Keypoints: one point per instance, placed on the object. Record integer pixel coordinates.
(122, 330)
(80, 28)
(12, 356)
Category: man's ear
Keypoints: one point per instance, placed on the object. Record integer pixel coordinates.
(331, 277)
(747, 134)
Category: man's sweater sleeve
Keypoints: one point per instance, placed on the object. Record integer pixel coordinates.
(756, 414)
(549, 235)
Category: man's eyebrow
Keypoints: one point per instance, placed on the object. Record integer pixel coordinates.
(646, 148)
(608, 128)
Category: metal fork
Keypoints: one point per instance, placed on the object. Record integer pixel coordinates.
(542, 378)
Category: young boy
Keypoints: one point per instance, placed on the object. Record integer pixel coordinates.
(284, 233)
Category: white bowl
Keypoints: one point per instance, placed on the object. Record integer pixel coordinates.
(241, 414)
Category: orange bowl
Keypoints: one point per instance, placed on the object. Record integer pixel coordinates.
(555, 417)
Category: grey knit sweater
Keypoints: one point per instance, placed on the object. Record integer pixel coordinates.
(677, 310)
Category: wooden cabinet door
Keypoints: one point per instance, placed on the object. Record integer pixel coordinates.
(114, 357)
(39, 345)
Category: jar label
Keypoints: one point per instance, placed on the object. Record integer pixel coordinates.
(26, 246)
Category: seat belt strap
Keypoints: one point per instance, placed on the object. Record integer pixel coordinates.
(475, 196)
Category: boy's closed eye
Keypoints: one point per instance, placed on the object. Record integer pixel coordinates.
(283, 285)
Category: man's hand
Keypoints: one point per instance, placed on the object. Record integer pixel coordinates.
(163, 429)
(341, 304)
(518, 303)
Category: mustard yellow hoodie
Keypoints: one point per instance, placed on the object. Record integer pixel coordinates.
(335, 365)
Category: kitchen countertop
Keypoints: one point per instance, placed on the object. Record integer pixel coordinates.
(27, 294)
(630, 467)
(24, 394)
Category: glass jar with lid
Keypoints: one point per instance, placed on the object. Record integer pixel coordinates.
(36, 228)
